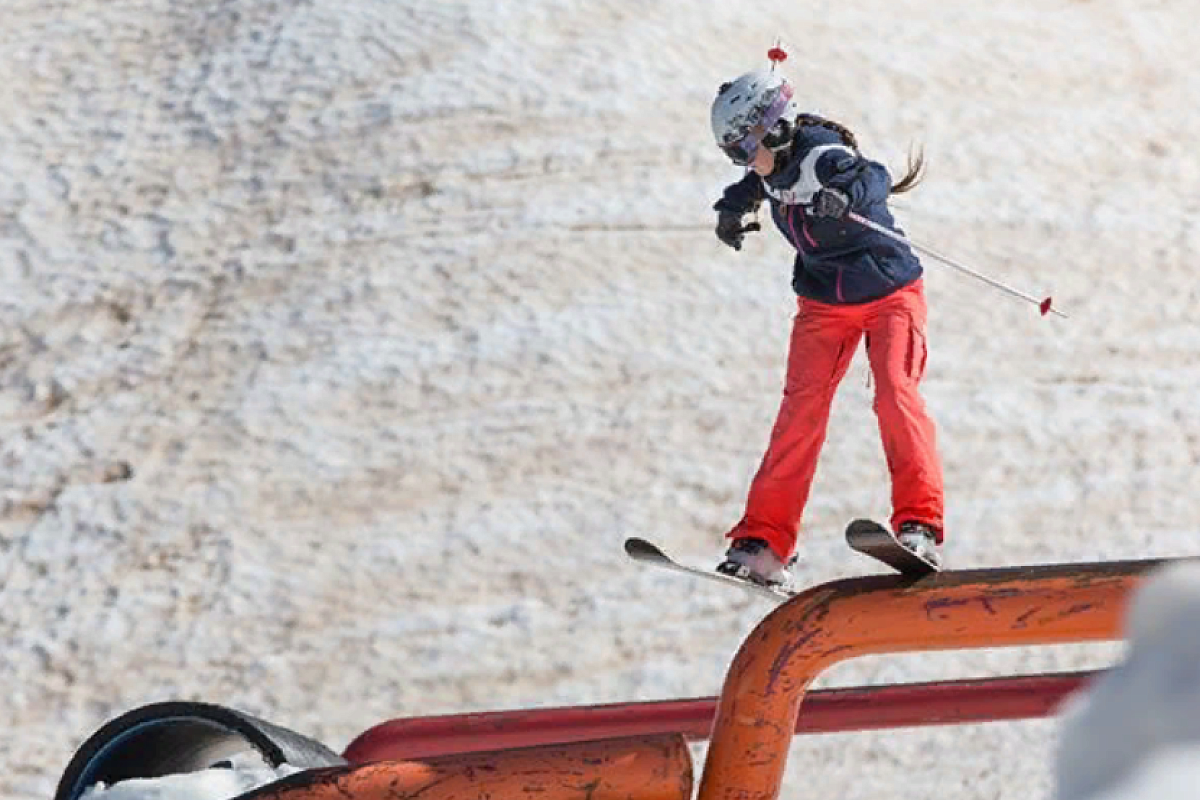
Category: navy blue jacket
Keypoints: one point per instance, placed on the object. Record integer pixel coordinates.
(837, 260)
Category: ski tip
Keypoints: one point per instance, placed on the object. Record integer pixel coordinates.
(641, 550)
(861, 527)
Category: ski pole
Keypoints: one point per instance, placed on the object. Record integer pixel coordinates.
(1044, 305)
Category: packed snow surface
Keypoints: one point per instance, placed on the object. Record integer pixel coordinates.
(342, 343)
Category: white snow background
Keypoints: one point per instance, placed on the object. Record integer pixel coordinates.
(342, 343)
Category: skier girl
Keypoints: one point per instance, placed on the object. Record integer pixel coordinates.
(851, 284)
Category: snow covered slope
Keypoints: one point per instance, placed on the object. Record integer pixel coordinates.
(341, 344)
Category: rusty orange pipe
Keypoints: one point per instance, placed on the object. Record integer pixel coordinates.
(634, 768)
(837, 621)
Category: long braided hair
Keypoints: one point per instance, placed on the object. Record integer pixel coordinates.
(916, 162)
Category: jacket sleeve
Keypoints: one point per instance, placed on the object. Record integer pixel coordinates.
(866, 182)
(742, 197)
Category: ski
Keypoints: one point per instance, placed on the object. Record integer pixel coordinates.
(863, 535)
(878, 542)
(648, 553)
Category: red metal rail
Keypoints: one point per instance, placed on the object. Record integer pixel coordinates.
(823, 711)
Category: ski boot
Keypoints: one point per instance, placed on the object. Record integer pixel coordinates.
(921, 539)
(753, 560)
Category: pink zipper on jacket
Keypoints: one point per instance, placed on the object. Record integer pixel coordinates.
(808, 237)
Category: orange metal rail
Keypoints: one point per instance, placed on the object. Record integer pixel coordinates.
(766, 682)
(642, 768)
(757, 712)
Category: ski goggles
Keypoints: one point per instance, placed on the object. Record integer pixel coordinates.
(743, 151)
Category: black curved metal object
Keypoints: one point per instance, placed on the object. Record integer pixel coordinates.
(176, 737)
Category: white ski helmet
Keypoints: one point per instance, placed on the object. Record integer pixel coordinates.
(748, 110)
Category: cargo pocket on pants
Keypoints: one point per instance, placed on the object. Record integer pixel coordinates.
(918, 355)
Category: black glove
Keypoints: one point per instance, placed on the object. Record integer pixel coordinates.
(829, 202)
(730, 229)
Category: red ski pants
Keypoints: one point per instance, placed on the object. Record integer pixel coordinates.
(824, 339)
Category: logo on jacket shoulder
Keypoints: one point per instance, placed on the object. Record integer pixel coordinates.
(801, 180)
(790, 197)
